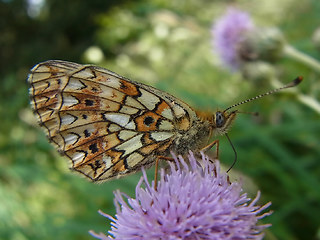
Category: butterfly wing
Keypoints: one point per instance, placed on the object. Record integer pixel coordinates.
(106, 125)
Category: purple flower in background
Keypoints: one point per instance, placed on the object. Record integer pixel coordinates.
(228, 33)
(192, 202)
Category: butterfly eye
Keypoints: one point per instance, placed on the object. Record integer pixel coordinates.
(220, 119)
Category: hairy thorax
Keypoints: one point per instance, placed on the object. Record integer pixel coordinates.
(195, 138)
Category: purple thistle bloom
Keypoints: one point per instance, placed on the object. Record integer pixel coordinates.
(192, 202)
(228, 33)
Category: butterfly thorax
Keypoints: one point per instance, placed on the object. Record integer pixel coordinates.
(195, 138)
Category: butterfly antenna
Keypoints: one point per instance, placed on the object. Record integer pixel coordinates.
(294, 83)
(235, 153)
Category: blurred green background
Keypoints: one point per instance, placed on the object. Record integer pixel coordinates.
(166, 44)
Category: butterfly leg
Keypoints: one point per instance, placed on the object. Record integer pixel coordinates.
(209, 146)
(156, 169)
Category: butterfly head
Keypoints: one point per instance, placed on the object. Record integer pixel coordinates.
(222, 121)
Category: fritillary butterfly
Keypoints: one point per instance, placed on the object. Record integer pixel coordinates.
(109, 126)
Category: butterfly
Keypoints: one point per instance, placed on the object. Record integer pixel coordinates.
(110, 126)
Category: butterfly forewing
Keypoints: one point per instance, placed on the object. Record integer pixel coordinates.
(105, 124)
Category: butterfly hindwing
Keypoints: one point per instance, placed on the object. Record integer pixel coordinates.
(105, 124)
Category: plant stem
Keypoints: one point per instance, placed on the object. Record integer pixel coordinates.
(301, 57)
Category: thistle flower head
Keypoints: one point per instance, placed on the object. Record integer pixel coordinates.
(192, 202)
(237, 41)
(227, 33)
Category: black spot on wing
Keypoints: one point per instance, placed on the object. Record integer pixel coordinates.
(86, 133)
(148, 120)
(89, 102)
(93, 147)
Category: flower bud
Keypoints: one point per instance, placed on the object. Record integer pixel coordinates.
(262, 44)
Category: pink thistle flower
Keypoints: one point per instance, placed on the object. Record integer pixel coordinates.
(194, 201)
(228, 32)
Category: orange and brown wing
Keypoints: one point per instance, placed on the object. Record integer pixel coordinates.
(105, 124)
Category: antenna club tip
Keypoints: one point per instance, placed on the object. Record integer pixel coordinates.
(298, 80)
